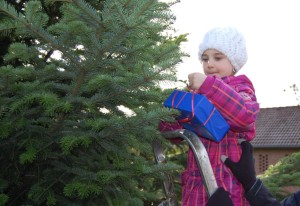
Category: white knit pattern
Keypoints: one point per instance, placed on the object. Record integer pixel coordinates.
(229, 41)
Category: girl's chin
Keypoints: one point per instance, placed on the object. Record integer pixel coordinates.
(216, 75)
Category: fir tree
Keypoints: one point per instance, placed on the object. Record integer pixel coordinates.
(283, 174)
(80, 100)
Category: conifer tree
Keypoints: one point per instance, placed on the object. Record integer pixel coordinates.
(282, 175)
(80, 100)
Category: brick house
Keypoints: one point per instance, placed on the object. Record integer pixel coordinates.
(277, 135)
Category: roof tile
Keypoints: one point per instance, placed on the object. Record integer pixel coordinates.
(278, 127)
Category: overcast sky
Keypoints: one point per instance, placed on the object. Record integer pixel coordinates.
(271, 29)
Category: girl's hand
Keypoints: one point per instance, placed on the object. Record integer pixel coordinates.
(196, 80)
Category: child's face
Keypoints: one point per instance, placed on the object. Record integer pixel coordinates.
(215, 63)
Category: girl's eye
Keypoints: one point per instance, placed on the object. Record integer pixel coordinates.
(204, 59)
(219, 57)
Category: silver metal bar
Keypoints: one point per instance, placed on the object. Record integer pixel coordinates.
(201, 155)
(171, 198)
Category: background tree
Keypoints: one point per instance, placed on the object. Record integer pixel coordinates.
(282, 175)
(295, 90)
(80, 100)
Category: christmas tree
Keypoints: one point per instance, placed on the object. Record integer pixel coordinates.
(81, 98)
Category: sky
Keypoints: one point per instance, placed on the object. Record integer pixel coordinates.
(272, 32)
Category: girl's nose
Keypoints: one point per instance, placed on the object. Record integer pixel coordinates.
(210, 64)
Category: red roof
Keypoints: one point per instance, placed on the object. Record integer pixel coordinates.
(278, 127)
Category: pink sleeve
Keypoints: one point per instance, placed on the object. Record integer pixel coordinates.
(169, 126)
(236, 103)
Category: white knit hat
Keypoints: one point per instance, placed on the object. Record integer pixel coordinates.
(229, 41)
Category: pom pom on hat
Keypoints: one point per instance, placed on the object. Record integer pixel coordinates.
(229, 41)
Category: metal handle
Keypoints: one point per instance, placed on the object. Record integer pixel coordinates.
(201, 155)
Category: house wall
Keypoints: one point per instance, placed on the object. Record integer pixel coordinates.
(264, 157)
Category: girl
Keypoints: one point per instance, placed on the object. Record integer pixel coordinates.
(222, 54)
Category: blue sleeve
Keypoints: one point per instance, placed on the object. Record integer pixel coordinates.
(259, 195)
(293, 200)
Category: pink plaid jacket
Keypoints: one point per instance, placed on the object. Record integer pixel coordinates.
(234, 97)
